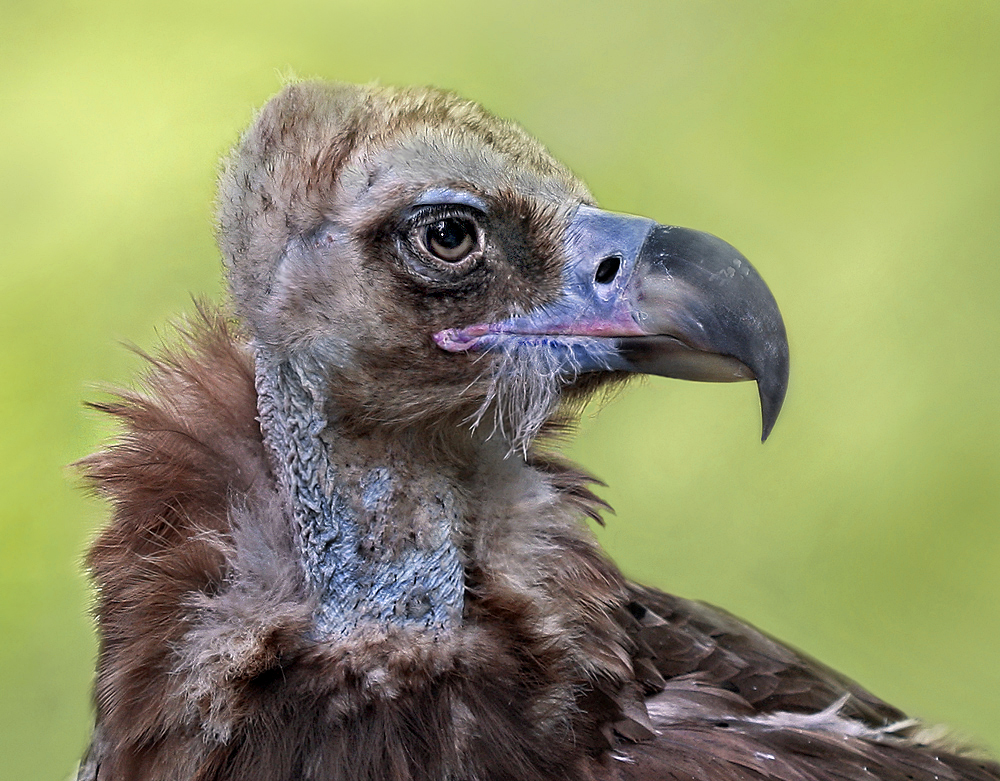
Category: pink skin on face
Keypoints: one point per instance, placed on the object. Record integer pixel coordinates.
(471, 337)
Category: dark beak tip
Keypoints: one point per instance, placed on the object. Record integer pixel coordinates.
(772, 391)
(768, 416)
(705, 294)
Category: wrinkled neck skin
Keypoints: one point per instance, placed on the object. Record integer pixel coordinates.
(378, 535)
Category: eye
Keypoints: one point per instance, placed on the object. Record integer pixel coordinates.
(450, 239)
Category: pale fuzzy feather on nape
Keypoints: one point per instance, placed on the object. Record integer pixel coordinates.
(233, 634)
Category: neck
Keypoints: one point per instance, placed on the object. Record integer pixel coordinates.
(376, 538)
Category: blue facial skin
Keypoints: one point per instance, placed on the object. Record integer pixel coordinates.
(643, 297)
(597, 305)
(445, 196)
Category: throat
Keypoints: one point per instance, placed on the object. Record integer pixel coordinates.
(376, 533)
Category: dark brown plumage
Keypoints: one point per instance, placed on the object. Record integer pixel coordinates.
(336, 551)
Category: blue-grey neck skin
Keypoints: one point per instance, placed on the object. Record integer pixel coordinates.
(418, 582)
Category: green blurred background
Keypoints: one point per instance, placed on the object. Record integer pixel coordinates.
(850, 149)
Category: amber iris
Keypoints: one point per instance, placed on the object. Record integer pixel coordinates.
(451, 239)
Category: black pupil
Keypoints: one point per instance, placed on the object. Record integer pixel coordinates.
(449, 234)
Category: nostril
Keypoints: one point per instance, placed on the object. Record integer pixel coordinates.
(607, 270)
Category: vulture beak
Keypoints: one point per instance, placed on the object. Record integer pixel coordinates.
(652, 299)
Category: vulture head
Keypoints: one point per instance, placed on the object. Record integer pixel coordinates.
(334, 551)
(412, 270)
(425, 263)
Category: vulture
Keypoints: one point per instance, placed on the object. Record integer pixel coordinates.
(342, 543)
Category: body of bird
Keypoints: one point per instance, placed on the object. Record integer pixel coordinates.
(340, 548)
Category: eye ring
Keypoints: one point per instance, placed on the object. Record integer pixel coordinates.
(450, 239)
(443, 243)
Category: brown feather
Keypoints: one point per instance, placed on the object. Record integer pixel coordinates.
(207, 671)
(206, 667)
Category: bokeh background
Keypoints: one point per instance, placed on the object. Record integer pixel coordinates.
(850, 149)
